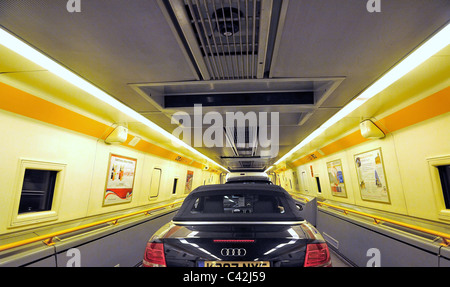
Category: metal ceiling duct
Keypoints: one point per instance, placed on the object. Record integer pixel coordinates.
(243, 140)
(227, 39)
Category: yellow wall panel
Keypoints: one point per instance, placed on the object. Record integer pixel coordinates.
(19, 102)
(432, 106)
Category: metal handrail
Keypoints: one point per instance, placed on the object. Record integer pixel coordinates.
(378, 219)
(300, 197)
(48, 238)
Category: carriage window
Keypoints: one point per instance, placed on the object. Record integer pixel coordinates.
(155, 184)
(444, 175)
(38, 195)
(319, 189)
(37, 190)
(175, 183)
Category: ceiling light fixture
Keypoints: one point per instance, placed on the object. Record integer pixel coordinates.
(436, 43)
(23, 49)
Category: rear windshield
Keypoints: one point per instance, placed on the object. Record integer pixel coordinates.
(238, 205)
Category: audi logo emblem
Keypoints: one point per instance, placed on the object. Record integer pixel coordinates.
(233, 252)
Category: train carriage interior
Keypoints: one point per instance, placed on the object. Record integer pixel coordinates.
(113, 112)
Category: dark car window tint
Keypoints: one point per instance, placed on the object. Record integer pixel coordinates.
(238, 203)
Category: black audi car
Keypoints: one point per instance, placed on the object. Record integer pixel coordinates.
(237, 225)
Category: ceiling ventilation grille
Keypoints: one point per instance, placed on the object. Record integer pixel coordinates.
(228, 39)
(228, 36)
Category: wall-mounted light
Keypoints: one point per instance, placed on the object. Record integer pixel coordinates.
(117, 136)
(370, 130)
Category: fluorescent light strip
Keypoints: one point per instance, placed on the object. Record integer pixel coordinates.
(267, 170)
(23, 49)
(439, 41)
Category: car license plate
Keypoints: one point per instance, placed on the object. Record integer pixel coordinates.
(234, 264)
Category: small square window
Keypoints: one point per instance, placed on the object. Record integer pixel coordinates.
(444, 175)
(37, 190)
(439, 168)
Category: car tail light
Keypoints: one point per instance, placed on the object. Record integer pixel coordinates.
(317, 255)
(154, 255)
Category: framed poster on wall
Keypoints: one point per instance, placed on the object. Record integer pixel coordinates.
(371, 177)
(189, 179)
(120, 180)
(336, 177)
